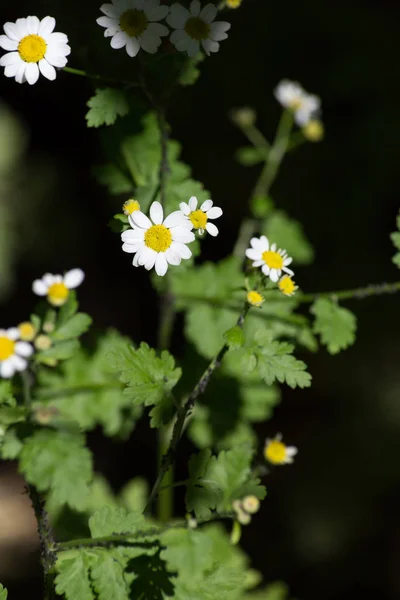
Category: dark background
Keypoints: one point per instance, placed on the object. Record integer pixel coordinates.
(330, 526)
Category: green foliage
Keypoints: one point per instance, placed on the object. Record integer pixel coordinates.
(106, 106)
(288, 234)
(86, 389)
(148, 379)
(336, 325)
(234, 337)
(190, 72)
(275, 591)
(73, 577)
(3, 593)
(395, 237)
(249, 156)
(58, 462)
(215, 481)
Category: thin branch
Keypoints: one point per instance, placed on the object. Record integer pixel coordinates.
(354, 294)
(185, 411)
(102, 78)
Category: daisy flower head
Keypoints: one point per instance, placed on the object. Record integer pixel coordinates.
(277, 453)
(196, 28)
(57, 287)
(33, 48)
(199, 217)
(13, 353)
(134, 24)
(287, 285)
(291, 95)
(158, 242)
(266, 256)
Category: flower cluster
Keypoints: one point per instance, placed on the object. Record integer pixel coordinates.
(273, 262)
(305, 106)
(245, 508)
(135, 25)
(158, 242)
(16, 343)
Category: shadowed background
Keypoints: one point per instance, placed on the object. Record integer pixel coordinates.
(330, 525)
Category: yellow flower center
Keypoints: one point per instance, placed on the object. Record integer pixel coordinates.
(198, 218)
(313, 130)
(234, 3)
(57, 294)
(133, 22)
(26, 331)
(254, 298)
(158, 238)
(251, 504)
(287, 285)
(32, 48)
(197, 29)
(7, 347)
(296, 103)
(272, 259)
(275, 452)
(130, 206)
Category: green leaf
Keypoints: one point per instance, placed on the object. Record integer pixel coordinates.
(336, 325)
(74, 327)
(108, 577)
(105, 106)
(215, 483)
(67, 310)
(10, 445)
(108, 521)
(261, 206)
(60, 351)
(288, 234)
(149, 379)
(86, 389)
(249, 156)
(190, 73)
(3, 593)
(234, 337)
(73, 579)
(10, 415)
(58, 462)
(152, 581)
(6, 393)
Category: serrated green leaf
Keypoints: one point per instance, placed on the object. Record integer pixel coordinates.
(249, 156)
(108, 579)
(234, 337)
(74, 327)
(190, 73)
(58, 462)
(73, 579)
(3, 593)
(336, 325)
(288, 233)
(105, 106)
(11, 445)
(108, 521)
(149, 379)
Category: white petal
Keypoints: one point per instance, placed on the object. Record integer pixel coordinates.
(49, 279)
(12, 70)
(178, 16)
(132, 235)
(119, 40)
(23, 349)
(32, 73)
(259, 244)
(287, 261)
(214, 213)
(149, 42)
(20, 74)
(47, 70)
(18, 363)
(158, 13)
(265, 269)
(212, 229)
(195, 8)
(184, 208)
(156, 29)
(151, 259)
(135, 260)
(131, 248)
(6, 369)
(12, 333)
(208, 13)
(218, 29)
(291, 451)
(273, 247)
(161, 264)
(139, 219)
(181, 249)
(47, 26)
(175, 218)
(55, 58)
(7, 44)
(11, 58)
(33, 24)
(210, 46)
(74, 278)
(145, 254)
(193, 203)
(156, 213)
(107, 22)
(132, 46)
(179, 234)
(274, 275)
(207, 204)
(12, 31)
(57, 38)
(253, 254)
(180, 39)
(172, 257)
(258, 263)
(288, 271)
(193, 48)
(109, 10)
(39, 287)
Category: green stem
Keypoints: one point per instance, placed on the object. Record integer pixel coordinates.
(102, 78)
(355, 293)
(255, 136)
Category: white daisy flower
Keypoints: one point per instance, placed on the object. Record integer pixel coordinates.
(133, 24)
(195, 27)
(57, 287)
(277, 453)
(199, 217)
(291, 95)
(271, 260)
(33, 49)
(158, 242)
(13, 353)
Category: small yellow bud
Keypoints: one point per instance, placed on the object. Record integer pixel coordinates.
(45, 414)
(48, 327)
(254, 298)
(26, 331)
(314, 130)
(233, 3)
(130, 206)
(43, 342)
(244, 117)
(287, 285)
(251, 504)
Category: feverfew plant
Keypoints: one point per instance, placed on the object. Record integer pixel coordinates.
(241, 315)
